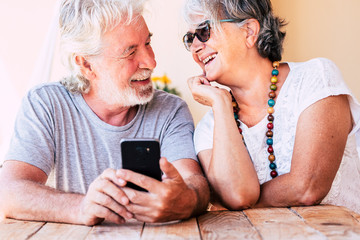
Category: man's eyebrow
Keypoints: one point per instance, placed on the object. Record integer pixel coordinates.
(131, 47)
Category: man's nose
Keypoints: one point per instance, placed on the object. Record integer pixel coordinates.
(147, 59)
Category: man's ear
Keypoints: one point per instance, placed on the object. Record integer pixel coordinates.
(85, 67)
(252, 27)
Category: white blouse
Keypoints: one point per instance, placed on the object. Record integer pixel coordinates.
(307, 83)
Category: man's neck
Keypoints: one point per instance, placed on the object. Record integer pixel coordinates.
(113, 115)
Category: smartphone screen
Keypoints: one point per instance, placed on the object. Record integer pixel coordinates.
(141, 156)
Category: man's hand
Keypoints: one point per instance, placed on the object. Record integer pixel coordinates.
(168, 200)
(104, 200)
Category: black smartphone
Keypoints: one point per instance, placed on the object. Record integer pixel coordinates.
(141, 156)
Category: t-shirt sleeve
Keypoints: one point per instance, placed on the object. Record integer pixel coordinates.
(324, 79)
(177, 142)
(203, 137)
(32, 140)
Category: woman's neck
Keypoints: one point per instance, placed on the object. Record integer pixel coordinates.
(252, 88)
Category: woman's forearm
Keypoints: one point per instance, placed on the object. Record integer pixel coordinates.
(230, 171)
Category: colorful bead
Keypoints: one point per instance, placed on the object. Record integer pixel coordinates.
(273, 174)
(275, 72)
(269, 133)
(271, 157)
(270, 149)
(273, 87)
(270, 126)
(271, 118)
(272, 94)
(269, 141)
(270, 110)
(274, 79)
(272, 166)
(271, 102)
(276, 64)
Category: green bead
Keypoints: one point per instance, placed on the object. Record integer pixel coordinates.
(273, 87)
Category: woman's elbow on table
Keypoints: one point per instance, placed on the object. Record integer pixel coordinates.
(309, 194)
(241, 200)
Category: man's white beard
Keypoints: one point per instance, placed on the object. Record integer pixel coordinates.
(128, 97)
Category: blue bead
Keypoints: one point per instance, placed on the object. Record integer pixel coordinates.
(271, 102)
(236, 116)
(269, 141)
(275, 72)
(272, 166)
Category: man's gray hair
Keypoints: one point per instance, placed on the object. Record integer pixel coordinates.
(82, 25)
(270, 38)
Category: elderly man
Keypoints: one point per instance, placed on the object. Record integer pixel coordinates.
(73, 129)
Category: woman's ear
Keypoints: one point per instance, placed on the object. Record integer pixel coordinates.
(252, 27)
(85, 67)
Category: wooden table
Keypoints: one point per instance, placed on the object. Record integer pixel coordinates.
(318, 222)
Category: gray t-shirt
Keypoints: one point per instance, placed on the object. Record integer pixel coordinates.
(58, 132)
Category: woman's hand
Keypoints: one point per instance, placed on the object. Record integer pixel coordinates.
(204, 93)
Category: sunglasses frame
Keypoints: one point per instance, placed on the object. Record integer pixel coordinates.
(205, 24)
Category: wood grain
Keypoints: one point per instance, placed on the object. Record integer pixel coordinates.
(187, 229)
(129, 230)
(56, 231)
(16, 229)
(334, 222)
(280, 223)
(226, 225)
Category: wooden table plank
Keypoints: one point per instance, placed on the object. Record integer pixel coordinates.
(15, 229)
(187, 229)
(226, 225)
(334, 222)
(129, 230)
(62, 231)
(280, 223)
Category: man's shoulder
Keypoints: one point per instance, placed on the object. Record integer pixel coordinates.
(51, 90)
(164, 103)
(164, 99)
(47, 87)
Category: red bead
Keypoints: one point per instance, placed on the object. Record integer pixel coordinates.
(270, 126)
(270, 149)
(273, 174)
(240, 130)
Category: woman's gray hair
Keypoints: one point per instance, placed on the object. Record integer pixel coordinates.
(270, 38)
(82, 25)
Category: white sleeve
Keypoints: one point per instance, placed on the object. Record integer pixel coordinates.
(323, 79)
(204, 132)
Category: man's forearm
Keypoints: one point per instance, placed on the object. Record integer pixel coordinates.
(200, 186)
(27, 200)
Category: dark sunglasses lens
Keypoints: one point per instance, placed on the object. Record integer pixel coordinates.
(203, 34)
(188, 40)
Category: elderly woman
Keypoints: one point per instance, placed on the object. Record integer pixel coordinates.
(285, 133)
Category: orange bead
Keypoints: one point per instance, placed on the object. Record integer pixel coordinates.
(276, 64)
(270, 110)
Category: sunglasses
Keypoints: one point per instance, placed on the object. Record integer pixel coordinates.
(202, 32)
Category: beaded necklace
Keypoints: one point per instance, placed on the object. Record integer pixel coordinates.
(270, 125)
